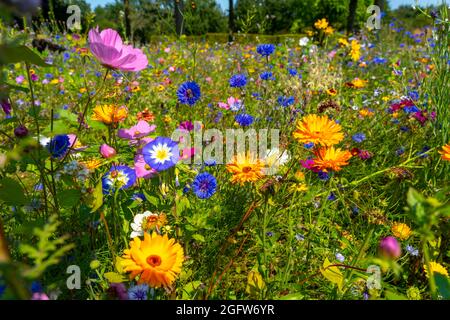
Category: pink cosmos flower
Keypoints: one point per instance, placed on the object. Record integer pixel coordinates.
(107, 151)
(39, 296)
(136, 132)
(142, 169)
(223, 105)
(187, 153)
(75, 143)
(108, 48)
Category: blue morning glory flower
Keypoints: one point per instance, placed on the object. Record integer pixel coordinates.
(122, 177)
(161, 153)
(189, 93)
(204, 185)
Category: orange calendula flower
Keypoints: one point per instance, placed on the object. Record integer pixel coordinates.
(109, 114)
(92, 164)
(366, 113)
(331, 158)
(445, 152)
(401, 231)
(356, 83)
(157, 260)
(355, 52)
(318, 130)
(245, 168)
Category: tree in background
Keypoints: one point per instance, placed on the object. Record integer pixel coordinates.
(352, 6)
(230, 20)
(178, 7)
(126, 11)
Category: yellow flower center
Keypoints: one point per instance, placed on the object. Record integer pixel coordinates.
(154, 260)
(147, 167)
(114, 174)
(161, 154)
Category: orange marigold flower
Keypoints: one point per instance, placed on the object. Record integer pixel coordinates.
(318, 130)
(245, 168)
(445, 152)
(331, 158)
(146, 115)
(109, 114)
(157, 260)
(401, 230)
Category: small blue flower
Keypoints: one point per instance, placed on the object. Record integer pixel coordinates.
(238, 81)
(414, 95)
(340, 257)
(323, 176)
(309, 145)
(269, 234)
(138, 196)
(359, 137)
(332, 196)
(2, 290)
(58, 146)
(265, 49)
(400, 151)
(210, 162)
(204, 185)
(286, 101)
(189, 93)
(244, 119)
(292, 72)
(266, 75)
(138, 292)
(121, 177)
(412, 251)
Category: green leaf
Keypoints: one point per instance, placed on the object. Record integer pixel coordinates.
(199, 237)
(333, 274)
(443, 285)
(98, 197)
(390, 295)
(69, 198)
(14, 54)
(11, 192)
(292, 296)
(152, 199)
(190, 289)
(414, 197)
(114, 277)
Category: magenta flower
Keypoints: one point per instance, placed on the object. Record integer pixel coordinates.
(136, 132)
(75, 144)
(390, 248)
(309, 164)
(142, 169)
(186, 125)
(107, 151)
(108, 48)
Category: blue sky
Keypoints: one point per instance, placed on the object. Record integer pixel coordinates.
(224, 3)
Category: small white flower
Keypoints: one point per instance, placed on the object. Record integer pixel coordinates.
(138, 223)
(276, 158)
(303, 41)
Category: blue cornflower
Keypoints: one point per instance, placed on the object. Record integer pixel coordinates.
(332, 196)
(379, 60)
(244, 119)
(400, 151)
(58, 145)
(286, 101)
(359, 137)
(2, 290)
(138, 196)
(138, 292)
(412, 251)
(414, 95)
(355, 210)
(66, 56)
(204, 185)
(48, 76)
(122, 177)
(293, 72)
(265, 49)
(323, 176)
(186, 189)
(404, 128)
(210, 162)
(189, 93)
(238, 81)
(36, 286)
(309, 145)
(266, 75)
(422, 153)
(161, 154)
(269, 234)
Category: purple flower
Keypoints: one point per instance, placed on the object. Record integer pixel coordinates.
(390, 248)
(359, 137)
(238, 81)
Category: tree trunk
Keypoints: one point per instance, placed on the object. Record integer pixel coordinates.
(230, 20)
(178, 5)
(351, 15)
(126, 5)
(380, 3)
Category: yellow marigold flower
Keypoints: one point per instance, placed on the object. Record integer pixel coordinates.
(245, 168)
(299, 176)
(167, 119)
(357, 83)
(331, 92)
(435, 267)
(92, 164)
(343, 42)
(56, 81)
(366, 113)
(309, 33)
(331, 158)
(318, 130)
(329, 30)
(445, 152)
(82, 90)
(298, 187)
(401, 230)
(109, 114)
(160, 88)
(355, 50)
(157, 260)
(321, 24)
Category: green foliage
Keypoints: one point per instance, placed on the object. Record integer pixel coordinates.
(48, 250)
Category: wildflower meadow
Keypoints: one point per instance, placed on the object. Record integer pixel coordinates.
(309, 166)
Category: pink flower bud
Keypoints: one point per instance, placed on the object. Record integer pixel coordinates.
(107, 151)
(390, 248)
